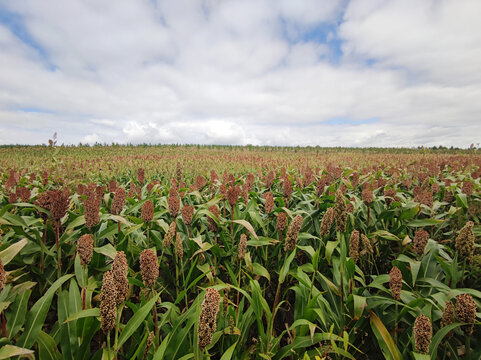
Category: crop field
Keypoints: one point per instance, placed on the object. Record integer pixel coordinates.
(211, 252)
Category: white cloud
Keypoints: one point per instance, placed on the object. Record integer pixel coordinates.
(91, 139)
(228, 72)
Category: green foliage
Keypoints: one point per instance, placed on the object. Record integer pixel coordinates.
(323, 299)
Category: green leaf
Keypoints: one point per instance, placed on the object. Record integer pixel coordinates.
(384, 339)
(94, 312)
(16, 318)
(228, 353)
(248, 226)
(78, 221)
(359, 306)
(409, 213)
(260, 270)
(13, 219)
(330, 246)
(414, 266)
(159, 354)
(9, 253)
(285, 266)
(65, 329)
(418, 356)
(47, 347)
(9, 351)
(262, 241)
(386, 235)
(424, 222)
(37, 314)
(79, 272)
(439, 336)
(462, 201)
(107, 250)
(136, 321)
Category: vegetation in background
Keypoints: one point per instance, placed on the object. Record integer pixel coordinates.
(187, 252)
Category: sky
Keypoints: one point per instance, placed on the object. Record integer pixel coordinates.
(384, 73)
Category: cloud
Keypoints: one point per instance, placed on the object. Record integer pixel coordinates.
(241, 72)
(91, 139)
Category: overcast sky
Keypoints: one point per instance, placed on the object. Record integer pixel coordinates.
(273, 72)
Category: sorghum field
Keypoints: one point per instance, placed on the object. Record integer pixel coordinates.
(187, 252)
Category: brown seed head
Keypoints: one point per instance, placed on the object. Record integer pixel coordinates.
(354, 245)
(200, 182)
(187, 214)
(327, 221)
(23, 193)
(141, 175)
(179, 246)
(423, 332)
(468, 188)
(120, 269)
(249, 182)
(466, 312)
(389, 196)
(465, 242)
(211, 223)
(169, 235)
(149, 267)
(241, 252)
(448, 317)
(281, 222)
(12, 198)
(367, 196)
(420, 240)
(92, 206)
(269, 204)
(178, 172)
(108, 297)
(118, 201)
(147, 211)
(287, 187)
(213, 176)
(58, 203)
(395, 283)
(269, 179)
(150, 340)
(292, 233)
(340, 211)
(112, 185)
(174, 202)
(233, 193)
(208, 317)
(321, 184)
(366, 246)
(85, 247)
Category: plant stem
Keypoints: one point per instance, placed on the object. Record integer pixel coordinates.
(108, 343)
(84, 287)
(156, 323)
(4, 325)
(59, 251)
(468, 346)
(395, 324)
(117, 325)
